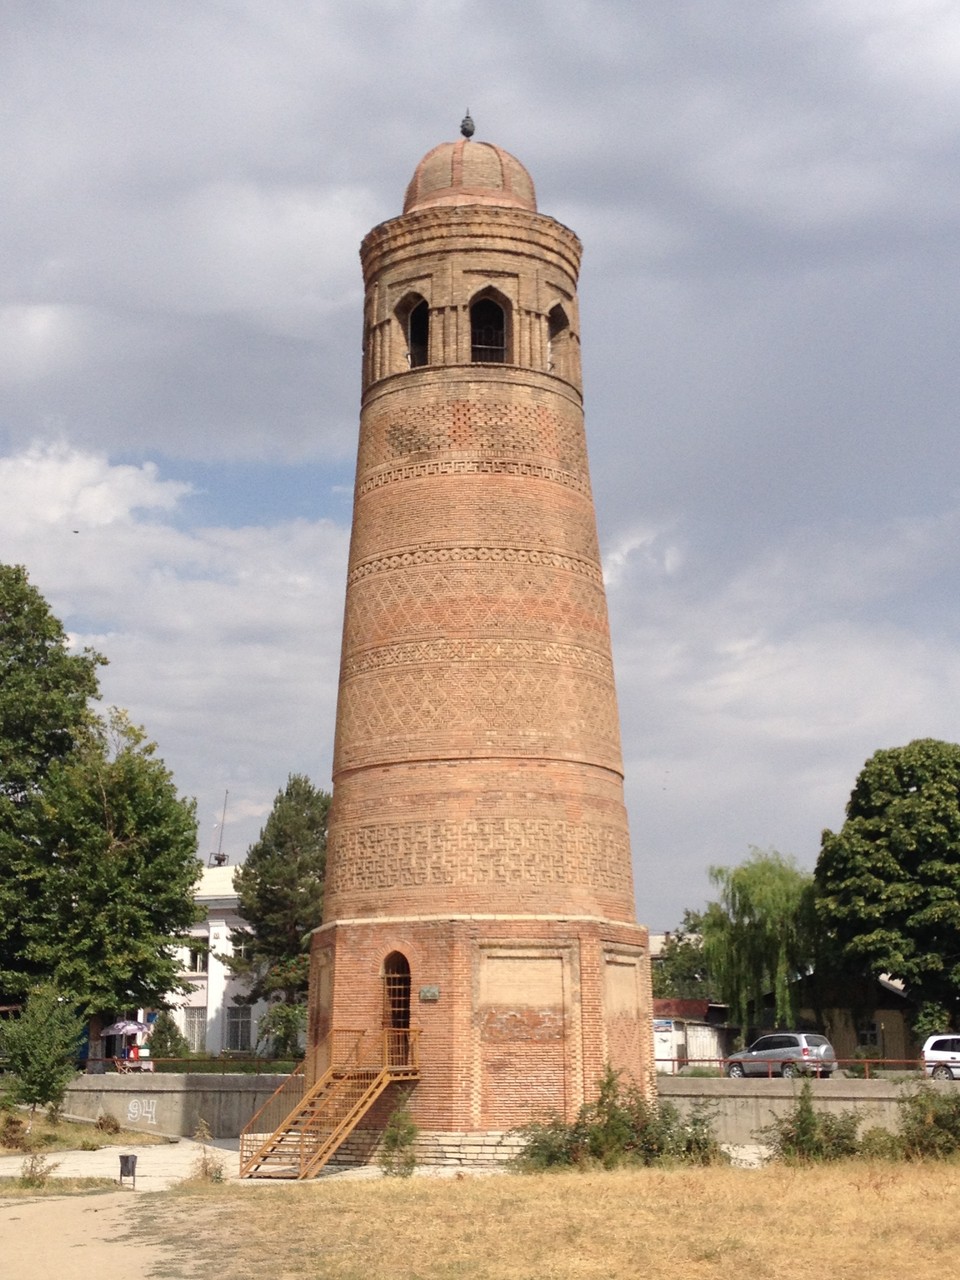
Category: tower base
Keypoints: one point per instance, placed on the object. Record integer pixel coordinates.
(526, 1016)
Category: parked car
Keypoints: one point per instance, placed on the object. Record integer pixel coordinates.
(941, 1056)
(784, 1053)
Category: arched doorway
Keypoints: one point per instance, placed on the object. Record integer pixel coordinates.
(396, 1009)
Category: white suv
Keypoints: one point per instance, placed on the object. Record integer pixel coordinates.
(941, 1056)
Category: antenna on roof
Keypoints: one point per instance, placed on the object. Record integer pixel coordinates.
(219, 859)
(467, 127)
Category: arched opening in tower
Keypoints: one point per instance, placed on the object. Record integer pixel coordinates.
(558, 342)
(396, 1007)
(488, 332)
(418, 335)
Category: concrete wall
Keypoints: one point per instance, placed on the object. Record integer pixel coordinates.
(743, 1107)
(172, 1104)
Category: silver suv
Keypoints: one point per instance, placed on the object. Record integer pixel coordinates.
(784, 1053)
(941, 1056)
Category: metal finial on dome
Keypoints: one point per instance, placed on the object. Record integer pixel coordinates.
(467, 125)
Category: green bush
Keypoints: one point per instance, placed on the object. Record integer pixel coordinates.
(806, 1136)
(856, 1068)
(398, 1157)
(929, 1124)
(166, 1038)
(620, 1127)
(881, 1144)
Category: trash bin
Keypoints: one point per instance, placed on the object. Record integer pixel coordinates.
(128, 1168)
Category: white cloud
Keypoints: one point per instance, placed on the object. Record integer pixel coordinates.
(223, 642)
(768, 198)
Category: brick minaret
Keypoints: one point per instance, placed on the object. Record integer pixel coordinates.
(479, 883)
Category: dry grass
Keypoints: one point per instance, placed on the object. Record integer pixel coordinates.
(884, 1221)
(77, 1135)
(10, 1188)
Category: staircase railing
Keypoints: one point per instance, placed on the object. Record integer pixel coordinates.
(277, 1108)
(307, 1126)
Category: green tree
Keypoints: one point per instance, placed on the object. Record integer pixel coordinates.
(888, 883)
(760, 935)
(680, 971)
(41, 1047)
(281, 1029)
(166, 1038)
(45, 692)
(280, 888)
(115, 855)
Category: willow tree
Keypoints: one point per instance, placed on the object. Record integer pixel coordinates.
(760, 936)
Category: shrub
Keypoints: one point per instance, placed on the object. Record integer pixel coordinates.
(620, 1127)
(856, 1068)
(929, 1124)
(208, 1166)
(806, 1135)
(398, 1159)
(166, 1038)
(13, 1132)
(881, 1144)
(36, 1171)
(107, 1124)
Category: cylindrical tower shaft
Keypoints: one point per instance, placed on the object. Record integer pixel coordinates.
(478, 839)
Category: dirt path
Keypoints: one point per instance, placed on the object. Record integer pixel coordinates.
(70, 1237)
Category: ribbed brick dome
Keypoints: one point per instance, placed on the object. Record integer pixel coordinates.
(464, 173)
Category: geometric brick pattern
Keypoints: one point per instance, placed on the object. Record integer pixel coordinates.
(495, 429)
(514, 851)
(478, 597)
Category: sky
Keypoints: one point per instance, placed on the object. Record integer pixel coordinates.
(768, 194)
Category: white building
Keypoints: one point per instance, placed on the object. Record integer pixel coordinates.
(208, 1016)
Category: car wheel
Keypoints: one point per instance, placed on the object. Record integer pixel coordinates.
(789, 1071)
(942, 1072)
(735, 1071)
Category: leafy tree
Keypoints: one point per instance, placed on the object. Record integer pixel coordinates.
(41, 1047)
(280, 888)
(166, 1038)
(45, 691)
(115, 857)
(888, 883)
(680, 971)
(761, 934)
(282, 1027)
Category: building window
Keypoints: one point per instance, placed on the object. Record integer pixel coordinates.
(197, 962)
(195, 1029)
(238, 1028)
(242, 944)
(488, 332)
(868, 1035)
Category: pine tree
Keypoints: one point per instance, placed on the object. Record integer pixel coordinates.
(280, 887)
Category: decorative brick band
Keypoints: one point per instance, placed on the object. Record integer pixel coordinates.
(422, 652)
(495, 555)
(531, 851)
(473, 467)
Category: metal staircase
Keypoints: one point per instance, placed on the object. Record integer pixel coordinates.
(296, 1131)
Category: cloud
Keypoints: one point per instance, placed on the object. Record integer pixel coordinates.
(767, 195)
(212, 634)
